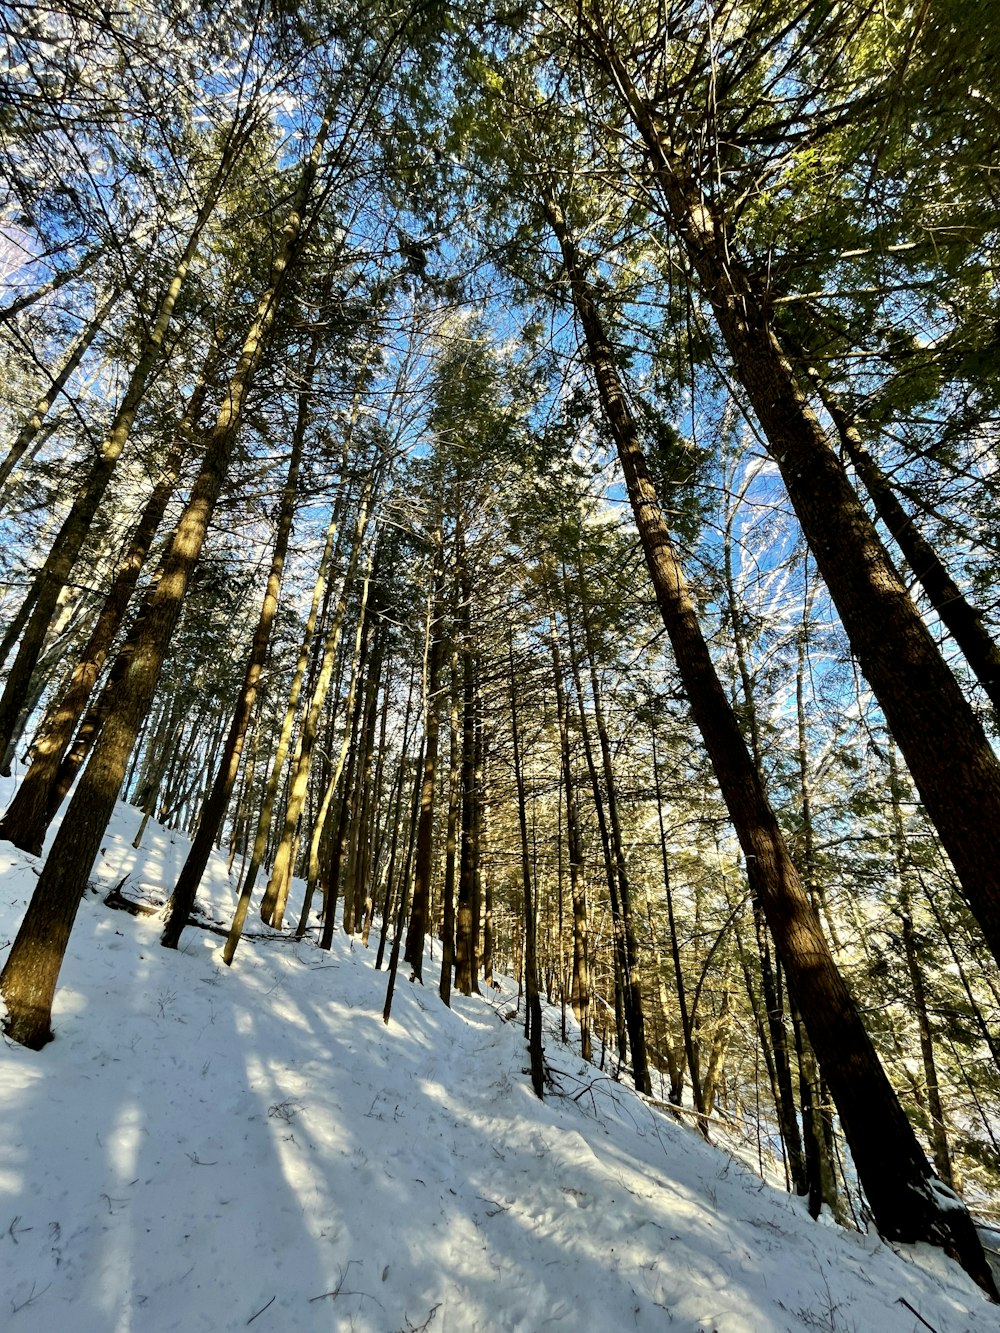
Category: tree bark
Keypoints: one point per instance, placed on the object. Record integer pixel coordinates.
(625, 922)
(580, 983)
(451, 847)
(935, 1109)
(266, 815)
(54, 766)
(352, 714)
(273, 905)
(30, 975)
(420, 912)
(618, 939)
(961, 619)
(908, 1202)
(532, 999)
(941, 739)
(363, 863)
(687, 1028)
(404, 890)
(32, 427)
(465, 941)
(213, 811)
(75, 529)
(396, 816)
(482, 881)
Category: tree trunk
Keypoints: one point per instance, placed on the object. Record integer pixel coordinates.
(404, 891)
(213, 811)
(687, 1028)
(532, 999)
(363, 861)
(482, 889)
(75, 529)
(29, 977)
(273, 905)
(263, 829)
(420, 912)
(625, 922)
(349, 753)
(451, 847)
(817, 1129)
(32, 427)
(465, 939)
(941, 739)
(54, 767)
(58, 640)
(16, 625)
(380, 825)
(908, 1202)
(580, 983)
(963, 622)
(935, 1110)
(618, 937)
(396, 816)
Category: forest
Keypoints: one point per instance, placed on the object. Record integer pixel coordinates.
(522, 478)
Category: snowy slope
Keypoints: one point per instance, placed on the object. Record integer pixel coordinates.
(205, 1148)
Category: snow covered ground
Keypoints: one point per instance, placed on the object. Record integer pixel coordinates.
(205, 1148)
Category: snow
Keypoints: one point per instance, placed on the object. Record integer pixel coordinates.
(202, 1148)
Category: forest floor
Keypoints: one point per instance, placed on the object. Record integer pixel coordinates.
(206, 1148)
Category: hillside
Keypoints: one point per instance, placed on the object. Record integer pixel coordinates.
(204, 1149)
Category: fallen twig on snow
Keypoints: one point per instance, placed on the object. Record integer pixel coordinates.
(263, 1308)
(900, 1300)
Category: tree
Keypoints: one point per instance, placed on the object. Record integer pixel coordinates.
(942, 740)
(29, 977)
(907, 1200)
(214, 808)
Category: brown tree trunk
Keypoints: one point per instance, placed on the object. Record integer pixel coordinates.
(29, 977)
(342, 843)
(465, 941)
(817, 1129)
(266, 815)
(907, 1200)
(56, 570)
(397, 817)
(57, 644)
(451, 846)
(962, 620)
(423, 864)
(813, 882)
(380, 813)
(213, 811)
(348, 753)
(941, 739)
(775, 1013)
(935, 1110)
(17, 623)
(54, 766)
(687, 1028)
(619, 964)
(404, 891)
(32, 427)
(363, 840)
(625, 922)
(482, 881)
(820, 1174)
(273, 904)
(580, 983)
(532, 999)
